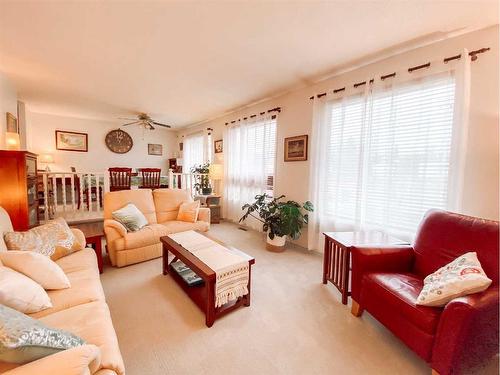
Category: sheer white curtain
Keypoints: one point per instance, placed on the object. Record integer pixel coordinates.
(194, 150)
(249, 164)
(387, 152)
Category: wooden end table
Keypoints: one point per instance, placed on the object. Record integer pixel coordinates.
(337, 255)
(93, 233)
(202, 295)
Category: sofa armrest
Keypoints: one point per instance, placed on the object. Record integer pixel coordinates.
(79, 236)
(204, 214)
(467, 334)
(114, 229)
(378, 259)
(82, 360)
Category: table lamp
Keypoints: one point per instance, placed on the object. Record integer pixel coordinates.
(46, 159)
(12, 141)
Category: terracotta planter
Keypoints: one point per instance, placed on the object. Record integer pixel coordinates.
(277, 244)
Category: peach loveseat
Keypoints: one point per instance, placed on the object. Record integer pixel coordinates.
(80, 309)
(160, 207)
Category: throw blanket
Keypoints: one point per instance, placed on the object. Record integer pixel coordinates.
(231, 269)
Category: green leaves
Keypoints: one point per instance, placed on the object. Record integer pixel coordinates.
(279, 218)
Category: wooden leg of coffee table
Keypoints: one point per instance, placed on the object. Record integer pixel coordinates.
(165, 260)
(210, 307)
(247, 297)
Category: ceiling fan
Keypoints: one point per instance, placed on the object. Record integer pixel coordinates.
(144, 121)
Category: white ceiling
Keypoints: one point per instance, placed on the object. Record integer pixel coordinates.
(183, 62)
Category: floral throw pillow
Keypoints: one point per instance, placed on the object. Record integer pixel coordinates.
(459, 278)
(54, 239)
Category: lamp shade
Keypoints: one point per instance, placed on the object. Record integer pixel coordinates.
(216, 171)
(12, 141)
(46, 158)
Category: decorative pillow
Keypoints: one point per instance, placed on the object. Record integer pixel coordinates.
(461, 277)
(188, 211)
(24, 339)
(130, 217)
(22, 293)
(37, 267)
(54, 239)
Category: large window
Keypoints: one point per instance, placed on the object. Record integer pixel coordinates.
(250, 157)
(387, 155)
(195, 151)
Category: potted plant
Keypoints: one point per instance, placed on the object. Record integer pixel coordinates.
(202, 184)
(279, 218)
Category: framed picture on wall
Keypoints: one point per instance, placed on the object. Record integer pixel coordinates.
(71, 141)
(155, 149)
(296, 148)
(11, 123)
(218, 146)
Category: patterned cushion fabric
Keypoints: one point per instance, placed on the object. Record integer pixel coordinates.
(461, 277)
(22, 293)
(37, 267)
(24, 339)
(130, 217)
(54, 239)
(188, 211)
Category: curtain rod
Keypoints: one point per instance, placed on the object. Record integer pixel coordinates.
(472, 54)
(277, 109)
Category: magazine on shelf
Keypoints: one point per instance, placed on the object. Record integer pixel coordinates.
(188, 275)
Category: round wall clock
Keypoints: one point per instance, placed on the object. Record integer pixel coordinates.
(119, 141)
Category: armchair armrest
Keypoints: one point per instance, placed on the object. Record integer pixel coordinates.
(204, 214)
(467, 334)
(80, 237)
(114, 229)
(378, 259)
(82, 360)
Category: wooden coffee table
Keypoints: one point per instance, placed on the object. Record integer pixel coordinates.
(202, 295)
(93, 233)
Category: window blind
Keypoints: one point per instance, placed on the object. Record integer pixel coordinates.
(388, 154)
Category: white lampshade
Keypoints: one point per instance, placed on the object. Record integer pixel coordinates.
(46, 158)
(12, 141)
(216, 171)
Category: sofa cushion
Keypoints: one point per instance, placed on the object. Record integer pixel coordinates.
(130, 217)
(399, 292)
(176, 226)
(37, 267)
(24, 339)
(146, 236)
(141, 198)
(21, 293)
(168, 201)
(92, 322)
(83, 274)
(5, 226)
(188, 212)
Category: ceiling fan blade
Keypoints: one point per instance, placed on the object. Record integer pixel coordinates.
(131, 123)
(127, 118)
(160, 124)
(151, 127)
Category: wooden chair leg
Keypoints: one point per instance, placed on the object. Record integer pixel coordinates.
(357, 310)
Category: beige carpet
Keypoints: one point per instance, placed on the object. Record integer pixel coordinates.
(296, 325)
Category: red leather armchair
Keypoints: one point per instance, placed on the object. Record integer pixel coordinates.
(387, 281)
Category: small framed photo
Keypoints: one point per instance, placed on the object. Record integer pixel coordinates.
(218, 146)
(71, 141)
(11, 123)
(296, 148)
(155, 149)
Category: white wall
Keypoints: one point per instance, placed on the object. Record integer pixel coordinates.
(8, 103)
(41, 139)
(482, 161)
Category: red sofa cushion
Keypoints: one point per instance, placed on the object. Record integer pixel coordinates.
(398, 293)
(444, 236)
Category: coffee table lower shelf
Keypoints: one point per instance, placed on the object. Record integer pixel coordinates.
(202, 295)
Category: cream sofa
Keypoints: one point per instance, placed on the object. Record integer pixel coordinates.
(160, 207)
(82, 310)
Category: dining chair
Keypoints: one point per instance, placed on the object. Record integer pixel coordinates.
(119, 178)
(150, 178)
